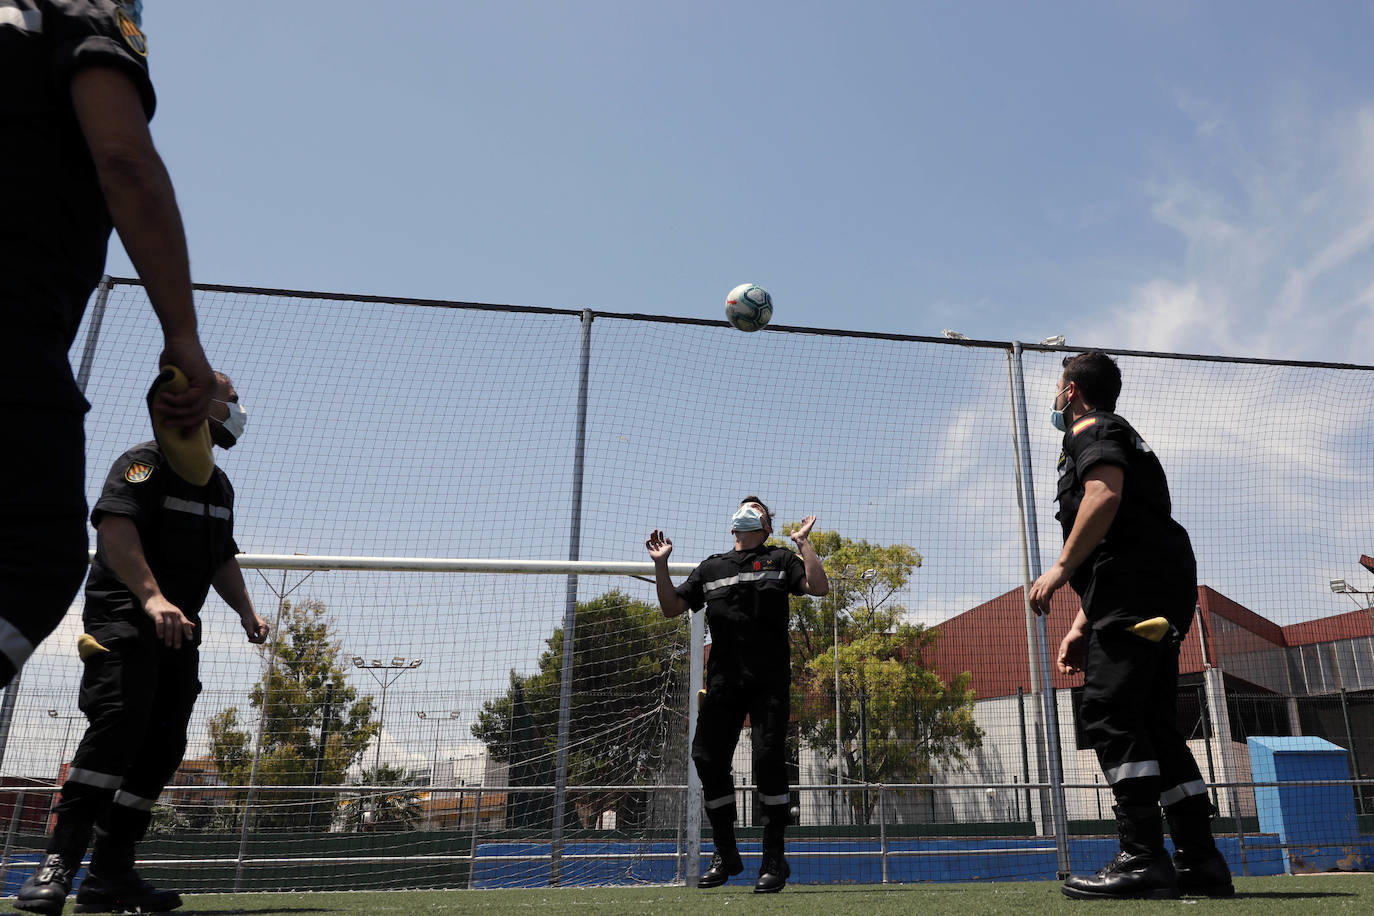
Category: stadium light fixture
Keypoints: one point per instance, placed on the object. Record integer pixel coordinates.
(1056, 341)
(389, 674)
(1340, 586)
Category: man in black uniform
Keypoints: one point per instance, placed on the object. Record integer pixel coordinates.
(161, 544)
(749, 673)
(78, 157)
(1133, 568)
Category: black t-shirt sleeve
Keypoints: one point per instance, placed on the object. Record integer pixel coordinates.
(796, 573)
(1098, 440)
(692, 591)
(97, 33)
(231, 547)
(133, 488)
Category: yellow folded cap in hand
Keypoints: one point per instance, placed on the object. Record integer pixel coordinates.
(189, 455)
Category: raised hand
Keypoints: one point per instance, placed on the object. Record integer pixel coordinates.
(803, 531)
(659, 546)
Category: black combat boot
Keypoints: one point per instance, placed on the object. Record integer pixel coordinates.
(1200, 865)
(1141, 870)
(123, 892)
(47, 889)
(725, 863)
(773, 871)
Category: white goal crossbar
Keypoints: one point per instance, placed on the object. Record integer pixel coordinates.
(435, 564)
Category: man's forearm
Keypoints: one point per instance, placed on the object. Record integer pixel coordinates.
(229, 585)
(669, 601)
(817, 583)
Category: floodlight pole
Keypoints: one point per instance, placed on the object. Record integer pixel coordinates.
(1030, 533)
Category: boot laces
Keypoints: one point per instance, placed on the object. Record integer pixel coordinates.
(54, 868)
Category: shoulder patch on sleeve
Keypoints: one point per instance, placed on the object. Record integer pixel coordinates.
(133, 36)
(137, 472)
(1083, 424)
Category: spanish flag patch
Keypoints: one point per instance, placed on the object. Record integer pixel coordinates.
(1083, 424)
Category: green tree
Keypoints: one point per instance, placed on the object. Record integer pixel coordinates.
(898, 720)
(629, 666)
(304, 695)
(375, 812)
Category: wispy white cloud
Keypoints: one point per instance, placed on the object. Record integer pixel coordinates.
(1278, 230)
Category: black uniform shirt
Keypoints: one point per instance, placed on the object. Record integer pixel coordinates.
(745, 595)
(187, 533)
(1144, 567)
(54, 225)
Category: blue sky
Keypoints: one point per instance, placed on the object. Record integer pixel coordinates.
(1191, 176)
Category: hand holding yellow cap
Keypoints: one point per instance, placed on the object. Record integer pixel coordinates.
(188, 452)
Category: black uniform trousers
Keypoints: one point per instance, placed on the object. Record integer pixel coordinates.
(43, 539)
(138, 697)
(1129, 715)
(719, 720)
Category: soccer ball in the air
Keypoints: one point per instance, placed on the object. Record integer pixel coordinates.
(748, 307)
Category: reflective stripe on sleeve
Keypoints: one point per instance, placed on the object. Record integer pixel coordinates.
(721, 802)
(92, 778)
(23, 20)
(1134, 770)
(775, 799)
(195, 508)
(129, 800)
(1184, 790)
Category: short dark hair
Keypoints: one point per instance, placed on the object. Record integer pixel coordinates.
(1097, 376)
(754, 499)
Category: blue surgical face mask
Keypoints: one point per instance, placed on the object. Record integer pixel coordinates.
(1057, 415)
(746, 518)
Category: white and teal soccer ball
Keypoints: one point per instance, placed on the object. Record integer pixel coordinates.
(748, 307)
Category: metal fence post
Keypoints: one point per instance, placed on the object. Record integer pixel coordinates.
(1031, 552)
(9, 836)
(694, 666)
(560, 791)
(102, 296)
(882, 829)
(472, 850)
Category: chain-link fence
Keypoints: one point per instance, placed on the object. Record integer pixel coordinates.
(412, 728)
